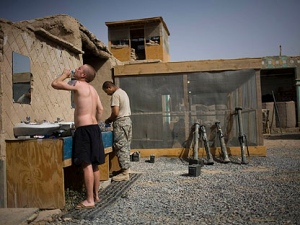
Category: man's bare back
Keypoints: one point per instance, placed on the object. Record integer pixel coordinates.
(85, 98)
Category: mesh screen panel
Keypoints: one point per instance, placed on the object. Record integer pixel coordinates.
(166, 106)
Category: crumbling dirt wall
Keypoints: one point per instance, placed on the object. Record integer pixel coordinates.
(62, 26)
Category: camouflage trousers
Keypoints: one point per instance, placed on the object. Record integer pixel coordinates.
(122, 130)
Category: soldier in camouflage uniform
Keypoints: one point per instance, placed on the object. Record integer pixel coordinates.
(122, 127)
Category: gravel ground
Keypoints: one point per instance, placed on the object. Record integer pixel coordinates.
(265, 191)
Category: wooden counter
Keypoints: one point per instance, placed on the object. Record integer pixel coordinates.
(35, 171)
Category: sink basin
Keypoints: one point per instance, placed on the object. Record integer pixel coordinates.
(66, 125)
(31, 129)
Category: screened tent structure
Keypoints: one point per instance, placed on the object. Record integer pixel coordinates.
(169, 98)
(166, 102)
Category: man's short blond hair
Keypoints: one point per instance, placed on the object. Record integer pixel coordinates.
(90, 73)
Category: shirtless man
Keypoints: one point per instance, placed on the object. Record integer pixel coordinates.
(88, 151)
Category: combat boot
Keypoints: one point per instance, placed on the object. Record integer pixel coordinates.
(124, 175)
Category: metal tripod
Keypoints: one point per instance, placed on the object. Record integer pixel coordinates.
(196, 135)
(222, 143)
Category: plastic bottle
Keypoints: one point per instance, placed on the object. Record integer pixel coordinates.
(72, 75)
(72, 82)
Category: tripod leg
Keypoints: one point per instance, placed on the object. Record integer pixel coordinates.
(241, 135)
(222, 143)
(196, 141)
(210, 160)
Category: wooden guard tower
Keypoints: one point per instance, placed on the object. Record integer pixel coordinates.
(141, 39)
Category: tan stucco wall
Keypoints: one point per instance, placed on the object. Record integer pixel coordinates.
(46, 62)
(48, 58)
(104, 73)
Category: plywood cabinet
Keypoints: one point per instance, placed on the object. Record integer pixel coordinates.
(36, 170)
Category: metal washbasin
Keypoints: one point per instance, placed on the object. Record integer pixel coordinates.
(42, 129)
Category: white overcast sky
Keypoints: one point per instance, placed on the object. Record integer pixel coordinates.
(199, 29)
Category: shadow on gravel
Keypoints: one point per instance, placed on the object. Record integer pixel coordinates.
(283, 137)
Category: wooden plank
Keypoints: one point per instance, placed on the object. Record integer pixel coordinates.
(135, 22)
(104, 169)
(108, 150)
(35, 174)
(181, 152)
(253, 151)
(154, 51)
(259, 131)
(122, 54)
(186, 106)
(67, 162)
(113, 162)
(185, 67)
